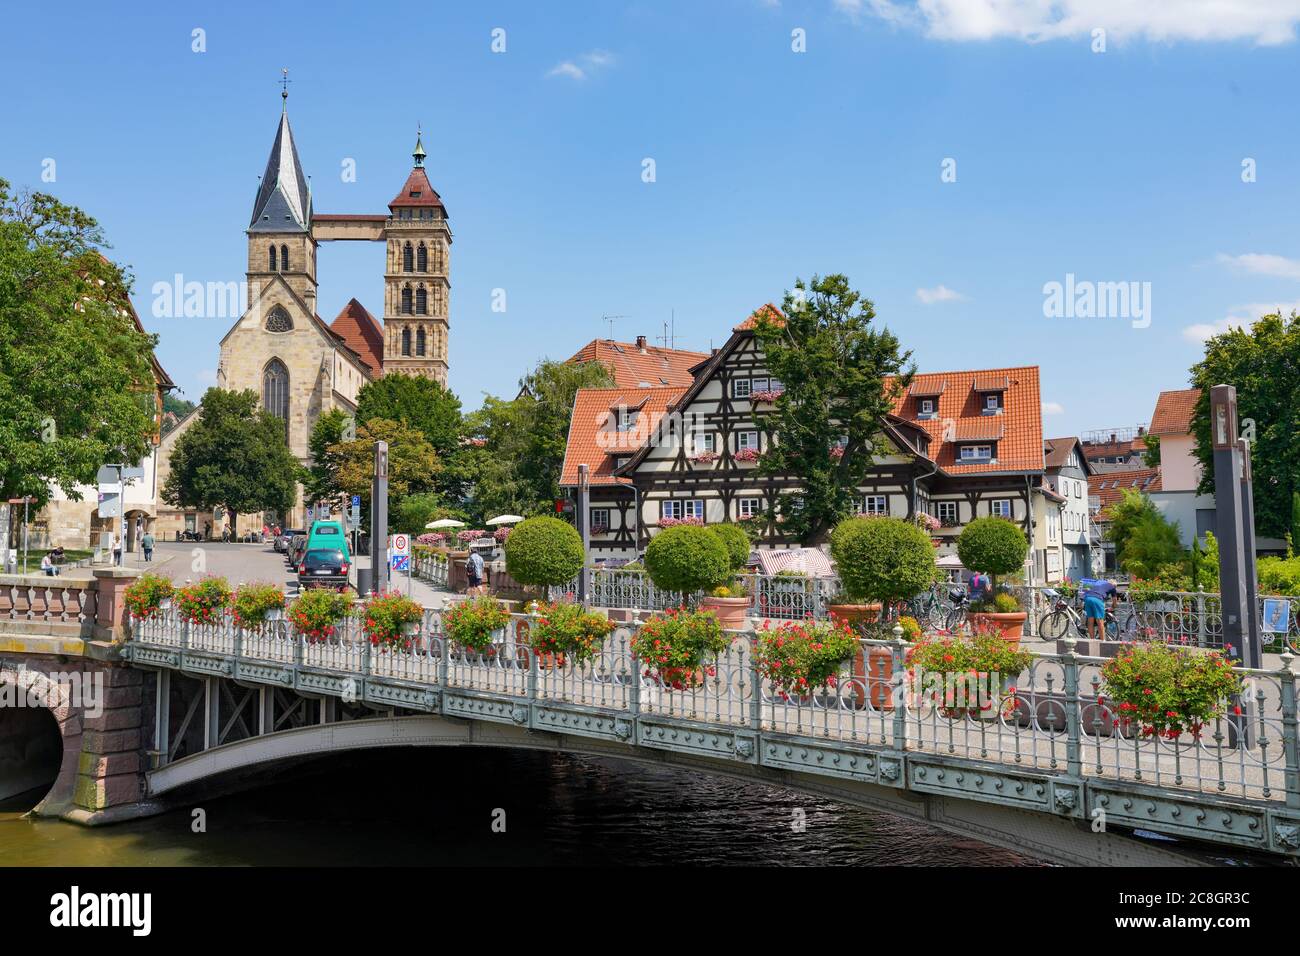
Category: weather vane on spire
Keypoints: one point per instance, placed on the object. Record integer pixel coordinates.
(419, 153)
(284, 83)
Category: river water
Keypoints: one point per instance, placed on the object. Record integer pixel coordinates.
(411, 807)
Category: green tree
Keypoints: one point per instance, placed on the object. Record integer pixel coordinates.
(1294, 537)
(76, 380)
(235, 456)
(842, 376)
(1151, 457)
(882, 559)
(543, 551)
(321, 482)
(994, 546)
(1144, 539)
(435, 411)
(1264, 364)
(517, 467)
(412, 463)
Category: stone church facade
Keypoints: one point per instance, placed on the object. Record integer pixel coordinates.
(299, 364)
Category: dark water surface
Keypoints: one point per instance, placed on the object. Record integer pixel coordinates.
(411, 807)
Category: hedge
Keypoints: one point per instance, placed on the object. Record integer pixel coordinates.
(687, 558)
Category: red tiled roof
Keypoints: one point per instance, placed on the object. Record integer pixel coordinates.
(1056, 452)
(777, 316)
(595, 441)
(988, 382)
(635, 366)
(361, 333)
(1110, 449)
(1109, 487)
(417, 191)
(1019, 427)
(1173, 414)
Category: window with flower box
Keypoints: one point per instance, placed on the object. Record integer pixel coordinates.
(1001, 507)
(749, 507)
(747, 440)
(946, 512)
(682, 508)
(599, 520)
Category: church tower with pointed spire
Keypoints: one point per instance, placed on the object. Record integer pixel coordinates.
(417, 290)
(280, 242)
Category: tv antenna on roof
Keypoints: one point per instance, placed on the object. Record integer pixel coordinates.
(669, 338)
(610, 319)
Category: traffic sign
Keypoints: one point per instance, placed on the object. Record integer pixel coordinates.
(356, 502)
(401, 544)
(401, 562)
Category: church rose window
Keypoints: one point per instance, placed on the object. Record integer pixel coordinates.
(275, 391)
(279, 321)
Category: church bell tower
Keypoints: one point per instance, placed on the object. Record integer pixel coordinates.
(417, 290)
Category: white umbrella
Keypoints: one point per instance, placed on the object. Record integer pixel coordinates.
(505, 519)
(445, 523)
(949, 561)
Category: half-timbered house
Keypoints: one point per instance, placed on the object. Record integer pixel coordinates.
(959, 445)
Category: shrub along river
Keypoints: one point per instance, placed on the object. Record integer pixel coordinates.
(411, 807)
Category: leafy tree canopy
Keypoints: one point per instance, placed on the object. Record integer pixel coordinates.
(841, 376)
(1264, 365)
(412, 463)
(235, 455)
(76, 381)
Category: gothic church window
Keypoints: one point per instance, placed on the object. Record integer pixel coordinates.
(273, 268)
(407, 258)
(419, 341)
(279, 321)
(406, 341)
(275, 391)
(284, 258)
(406, 301)
(422, 259)
(421, 301)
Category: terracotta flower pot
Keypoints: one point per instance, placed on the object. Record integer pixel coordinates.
(877, 670)
(1010, 625)
(730, 612)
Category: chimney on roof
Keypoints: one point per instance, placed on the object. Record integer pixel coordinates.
(1113, 436)
(640, 344)
(1142, 430)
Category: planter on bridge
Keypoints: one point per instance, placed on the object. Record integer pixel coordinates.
(875, 668)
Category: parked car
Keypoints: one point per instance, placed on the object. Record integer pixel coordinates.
(283, 538)
(328, 534)
(297, 545)
(323, 567)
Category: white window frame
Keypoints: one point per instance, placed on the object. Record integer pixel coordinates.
(627, 418)
(599, 524)
(971, 453)
(704, 441)
(883, 500)
(927, 407)
(758, 384)
(749, 507)
(941, 506)
(995, 508)
(743, 441)
(736, 388)
(775, 385)
(992, 403)
(679, 508)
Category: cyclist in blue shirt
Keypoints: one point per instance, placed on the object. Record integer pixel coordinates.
(1094, 606)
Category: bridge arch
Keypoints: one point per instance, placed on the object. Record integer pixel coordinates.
(1015, 829)
(36, 722)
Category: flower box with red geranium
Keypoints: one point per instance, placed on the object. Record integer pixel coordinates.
(747, 454)
(563, 631)
(766, 397)
(472, 623)
(801, 657)
(204, 602)
(392, 620)
(255, 604)
(967, 676)
(1158, 690)
(317, 613)
(147, 596)
(674, 646)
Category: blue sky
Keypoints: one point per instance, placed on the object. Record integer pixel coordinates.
(1115, 166)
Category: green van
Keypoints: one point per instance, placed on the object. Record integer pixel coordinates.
(330, 536)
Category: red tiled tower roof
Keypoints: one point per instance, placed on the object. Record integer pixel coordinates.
(362, 334)
(417, 191)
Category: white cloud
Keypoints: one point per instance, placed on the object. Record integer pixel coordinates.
(1238, 317)
(1264, 22)
(1053, 408)
(1264, 264)
(940, 293)
(584, 65)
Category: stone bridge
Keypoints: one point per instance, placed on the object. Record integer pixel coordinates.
(189, 709)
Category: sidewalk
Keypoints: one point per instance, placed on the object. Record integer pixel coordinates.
(420, 591)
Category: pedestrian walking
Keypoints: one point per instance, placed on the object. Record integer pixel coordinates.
(147, 543)
(117, 549)
(474, 573)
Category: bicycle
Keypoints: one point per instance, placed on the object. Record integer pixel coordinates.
(1055, 624)
(928, 606)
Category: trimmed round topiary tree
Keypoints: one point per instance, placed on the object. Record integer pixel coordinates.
(687, 558)
(993, 546)
(736, 542)
(544, 551)
(882, 559)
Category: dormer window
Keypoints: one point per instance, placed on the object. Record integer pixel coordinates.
(976, 453)
(926, 408)
(993, 403)
(626, 418)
